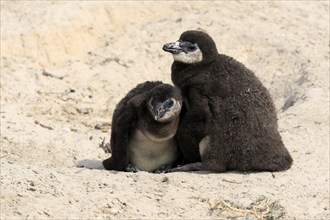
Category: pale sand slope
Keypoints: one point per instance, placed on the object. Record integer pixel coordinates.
(102, 50)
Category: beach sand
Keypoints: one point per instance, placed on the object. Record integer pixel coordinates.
(65, 65)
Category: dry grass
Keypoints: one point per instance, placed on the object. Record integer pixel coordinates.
(261, 209)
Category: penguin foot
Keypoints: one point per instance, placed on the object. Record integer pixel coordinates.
(132, 168)
(164, 169)
(188, 167)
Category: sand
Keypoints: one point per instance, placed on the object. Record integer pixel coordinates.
(65, 66)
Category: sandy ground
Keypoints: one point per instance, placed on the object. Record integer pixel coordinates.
(95, 52)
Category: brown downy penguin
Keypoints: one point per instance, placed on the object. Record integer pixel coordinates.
(143, 127)
(230, 121)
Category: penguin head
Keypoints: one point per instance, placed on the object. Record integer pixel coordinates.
(192, 47)
(164, 103)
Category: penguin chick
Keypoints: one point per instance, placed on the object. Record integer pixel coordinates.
(230, 121)
(143, 127)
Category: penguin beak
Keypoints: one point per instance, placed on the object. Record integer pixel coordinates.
(180, 46)
(162, 107)
(173, 48)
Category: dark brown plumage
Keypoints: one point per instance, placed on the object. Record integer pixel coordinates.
(230, 120)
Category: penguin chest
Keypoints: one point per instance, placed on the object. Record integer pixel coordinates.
(149, 154)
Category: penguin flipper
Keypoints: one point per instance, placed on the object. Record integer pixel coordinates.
(90, 164)
(120, 133)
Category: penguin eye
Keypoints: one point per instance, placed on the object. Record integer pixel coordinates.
(192, 47)
(170, 103)
(187, 46)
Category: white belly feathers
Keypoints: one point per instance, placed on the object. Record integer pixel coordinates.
(148, 154)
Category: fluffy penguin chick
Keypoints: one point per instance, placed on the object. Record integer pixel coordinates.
(143, 127)
(229, 120)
